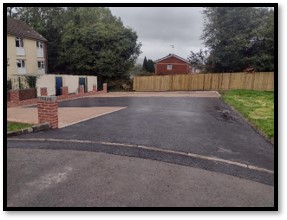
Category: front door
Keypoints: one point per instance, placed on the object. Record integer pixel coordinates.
(59, 84)
(82, 81)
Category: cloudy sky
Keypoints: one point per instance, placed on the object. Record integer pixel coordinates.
(158, 28)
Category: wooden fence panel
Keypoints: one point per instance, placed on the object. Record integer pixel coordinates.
(180, 82)
(249, 81)
(225, 81)
(237, 80)
(270, 85)
(207, 82)
(259, 81)
(214, 81)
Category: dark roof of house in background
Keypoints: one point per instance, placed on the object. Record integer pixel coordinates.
(171, 55)
(21, 29)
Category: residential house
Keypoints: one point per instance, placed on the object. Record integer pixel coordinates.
(26, 50)
(172, 64)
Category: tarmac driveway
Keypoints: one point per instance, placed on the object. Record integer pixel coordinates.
(198, 128)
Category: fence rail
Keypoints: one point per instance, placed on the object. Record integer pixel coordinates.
(209, 81)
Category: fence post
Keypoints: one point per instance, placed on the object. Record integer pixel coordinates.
(48, 110)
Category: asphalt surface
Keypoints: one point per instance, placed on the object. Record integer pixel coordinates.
(203, 126)
(61, 178)
(97, 162)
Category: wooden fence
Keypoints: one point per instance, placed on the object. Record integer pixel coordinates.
(214, 81)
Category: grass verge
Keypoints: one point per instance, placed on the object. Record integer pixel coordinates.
(16, 126)
(256, 106)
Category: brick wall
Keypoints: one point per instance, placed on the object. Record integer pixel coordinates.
(178, 66)
(44, 91)
(25, 94)
(81, 89)
(11, 104)
(14, 96)
(105, 87)
(95, 88)
(48, 110)
(176, 69)
(64, 91)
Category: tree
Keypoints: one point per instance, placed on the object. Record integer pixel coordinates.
(96, 42)
(48, 21)
(84, 40)
(148, 65)
(238, 37)
(145, 64)
(199, 60)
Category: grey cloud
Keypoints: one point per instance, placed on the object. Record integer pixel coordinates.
(158, 28)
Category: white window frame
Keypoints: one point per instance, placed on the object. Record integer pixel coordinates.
(22, 64)
(21, 42)
(169, 66)
(41, 65)
(39, 44)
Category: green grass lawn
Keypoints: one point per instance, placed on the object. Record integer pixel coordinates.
(15, 126)
(256, 106)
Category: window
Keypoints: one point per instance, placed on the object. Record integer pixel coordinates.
(169, 67)
(8, 64)
(41, 65)
(39, 44)
(19, 42)
(21, 63)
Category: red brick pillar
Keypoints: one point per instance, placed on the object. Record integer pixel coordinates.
(105, 87)
(64, 91)
(81, 89)
(95, 89)
(14, 95)
(48, 110)
(44, 91)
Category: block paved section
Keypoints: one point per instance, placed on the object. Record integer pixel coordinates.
(67, 116)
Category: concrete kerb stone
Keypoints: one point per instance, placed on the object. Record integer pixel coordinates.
(34, 128)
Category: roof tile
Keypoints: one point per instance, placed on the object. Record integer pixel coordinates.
(21, 29)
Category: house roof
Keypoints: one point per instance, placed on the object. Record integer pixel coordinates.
(171, 55)
(21, 29)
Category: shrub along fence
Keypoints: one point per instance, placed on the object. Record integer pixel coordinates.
(210, 81)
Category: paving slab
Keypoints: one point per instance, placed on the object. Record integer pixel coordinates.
(67, 116)
(161, 94)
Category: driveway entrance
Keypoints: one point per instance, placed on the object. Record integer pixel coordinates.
(202, 132)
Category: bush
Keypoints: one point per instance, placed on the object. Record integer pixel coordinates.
(9, 85)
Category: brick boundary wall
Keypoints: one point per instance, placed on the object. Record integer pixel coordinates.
(14, 96)
(12, 104)
(81, 89)
(27, 94)
(105, 87)
(44, 91)
(65, 91)
(48, 110)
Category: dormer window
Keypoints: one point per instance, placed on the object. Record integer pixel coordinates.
(19, 42)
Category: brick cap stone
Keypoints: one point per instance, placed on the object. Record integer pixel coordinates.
(47, 98)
